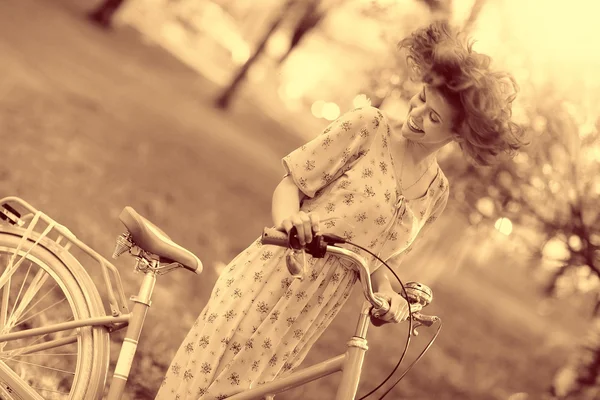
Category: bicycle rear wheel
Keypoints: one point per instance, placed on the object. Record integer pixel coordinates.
(43, 290)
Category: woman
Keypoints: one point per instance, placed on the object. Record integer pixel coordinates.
(376, 186)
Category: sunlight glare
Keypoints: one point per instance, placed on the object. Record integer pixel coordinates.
(240, 52)
(485, 206)
(293, 90)
(361, 100)
(460, 11)
(575, 242)
(553, 36)
(554, 186)
(547, 169)
(592, 153)
(586, 279)
(317, 108)
(277, 44)
(331, 111)
(303, 70)
(475, 218)
(504, 226)
(519, 396)
(555, 249)
(173, 32)
(219, 267)
(539, 123)
(521, 158)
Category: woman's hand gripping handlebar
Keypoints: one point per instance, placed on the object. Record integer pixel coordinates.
(419, 295)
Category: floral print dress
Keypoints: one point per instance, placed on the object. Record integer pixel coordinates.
(259, 323)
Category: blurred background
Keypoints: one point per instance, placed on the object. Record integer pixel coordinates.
(184, 108)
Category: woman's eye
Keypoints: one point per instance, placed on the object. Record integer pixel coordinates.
(422, 97)
(433, 117)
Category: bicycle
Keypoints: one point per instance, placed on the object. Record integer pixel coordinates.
(76, 350)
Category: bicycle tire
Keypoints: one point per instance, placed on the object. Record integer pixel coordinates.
(84, 300)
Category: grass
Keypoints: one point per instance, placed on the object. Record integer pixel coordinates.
(93, 121)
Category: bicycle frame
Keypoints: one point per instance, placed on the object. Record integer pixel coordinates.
(350, 364)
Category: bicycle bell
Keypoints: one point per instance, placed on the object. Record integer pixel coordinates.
(418, 293)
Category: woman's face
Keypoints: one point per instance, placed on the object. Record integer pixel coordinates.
(430, 118)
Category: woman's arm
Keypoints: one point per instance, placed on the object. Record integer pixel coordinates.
(286, 200)
(380, 280)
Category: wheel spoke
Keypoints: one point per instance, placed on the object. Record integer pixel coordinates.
(38, 354)
(36, 284)
(43, 366)
(39, 312)
(4, 305)
(16, 384)
(21, 289)
(35, 348)
(46, 334)
(11, 267)
(50, 390)
(6, 295)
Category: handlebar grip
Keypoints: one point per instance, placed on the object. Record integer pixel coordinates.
(275, 237)
(384, 308)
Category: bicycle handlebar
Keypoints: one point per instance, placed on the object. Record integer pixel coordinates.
(321, 245)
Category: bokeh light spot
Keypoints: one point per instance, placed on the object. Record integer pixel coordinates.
(331, 111)
(504, 226)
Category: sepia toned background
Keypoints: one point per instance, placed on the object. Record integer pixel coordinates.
(184, 108)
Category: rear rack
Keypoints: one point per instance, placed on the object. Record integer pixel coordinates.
(36, 225)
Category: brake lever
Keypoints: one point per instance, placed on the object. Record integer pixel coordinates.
(422, 320)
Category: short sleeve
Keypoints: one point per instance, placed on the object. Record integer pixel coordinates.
(325, 158)
(440, 205)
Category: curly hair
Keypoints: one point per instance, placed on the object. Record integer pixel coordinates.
(482, 97)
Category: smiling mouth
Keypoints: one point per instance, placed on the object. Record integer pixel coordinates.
(413, 127)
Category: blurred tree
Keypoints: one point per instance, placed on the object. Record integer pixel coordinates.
(546, 199)
(226, 96)
(444, 7)
(475, 10)
(104, 13)
(550, 195)
(310, 17)
(311, 14)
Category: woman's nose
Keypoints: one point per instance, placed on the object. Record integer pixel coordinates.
(417, 112)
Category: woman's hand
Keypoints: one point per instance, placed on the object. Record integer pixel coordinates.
(306, 224)
(398, 311)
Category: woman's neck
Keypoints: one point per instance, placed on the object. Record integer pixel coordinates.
(419, 155)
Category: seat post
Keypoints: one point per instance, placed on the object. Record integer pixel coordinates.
(138, 315)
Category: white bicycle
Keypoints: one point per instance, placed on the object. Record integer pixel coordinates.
(54, 332)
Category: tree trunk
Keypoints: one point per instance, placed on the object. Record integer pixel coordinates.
(580, 377)
(226, 96)
(104, 13)
(473, 15)
(308, 21)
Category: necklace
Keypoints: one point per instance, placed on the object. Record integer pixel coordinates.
(402, 170)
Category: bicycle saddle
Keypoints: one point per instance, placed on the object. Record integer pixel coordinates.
(149, 237)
